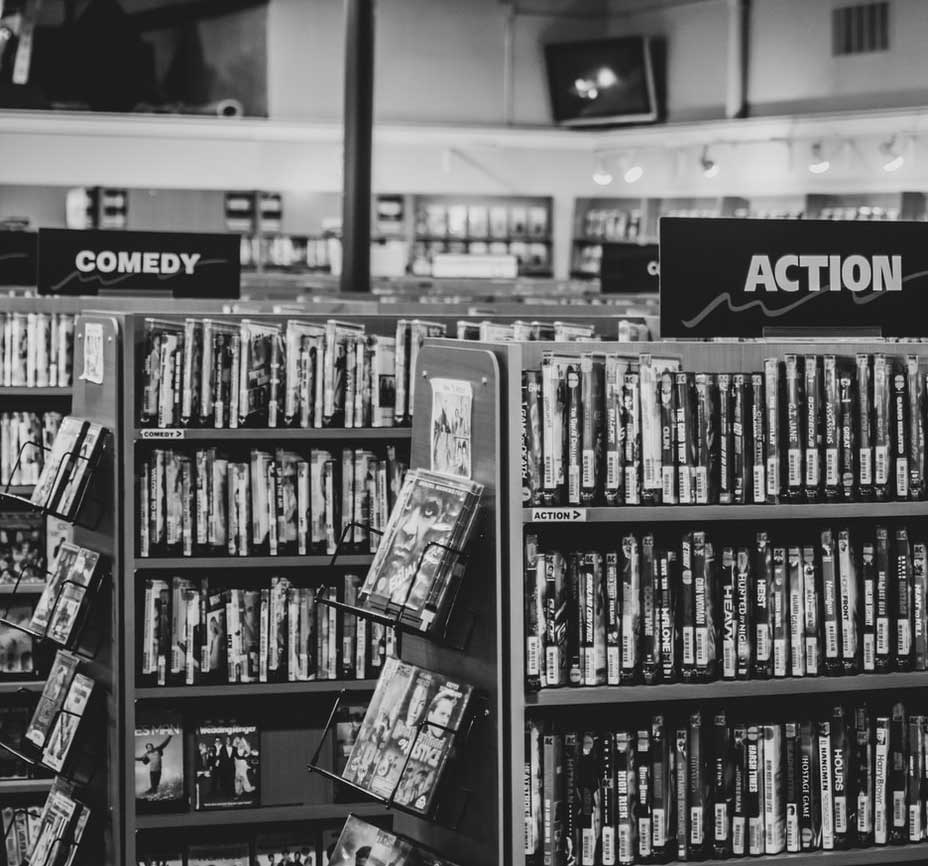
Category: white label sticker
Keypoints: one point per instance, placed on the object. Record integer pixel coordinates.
(93, 353)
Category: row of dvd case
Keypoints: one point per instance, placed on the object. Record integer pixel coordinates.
(627, 430)
(46, 836)
(36, 349)
(710, 786)
(836, 602)
(198, 632)
(272, 503)
(25, 438)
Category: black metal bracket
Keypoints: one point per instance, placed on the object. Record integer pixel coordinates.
(64, 471)
(461, 736)
(394, 617)
(88, 593)
(32, 755)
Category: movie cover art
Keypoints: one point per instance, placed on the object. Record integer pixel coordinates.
(227, 766)
(218, 855)
(412, 567)
(16, 646)
(452, 400)
(21, 548)
(53, 697)
(363, 844)
(415, 713)
(159, 763)
(285, 849)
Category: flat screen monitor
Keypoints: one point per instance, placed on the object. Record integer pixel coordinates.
(602, 82)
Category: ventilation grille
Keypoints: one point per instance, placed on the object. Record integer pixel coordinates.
(860, 29)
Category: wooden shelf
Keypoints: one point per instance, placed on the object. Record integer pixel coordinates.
(784, 511)
(8, 787)
(853, 857)
(219, 563)
(315, 687)
(724, 690)
(9, 393)
(261, 815)
(276, 434)
(8, 687)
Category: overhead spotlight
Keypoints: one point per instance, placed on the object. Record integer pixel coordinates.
(818, 164)
(633, 173)
(601, 173)
(710, 168)
(892, 154)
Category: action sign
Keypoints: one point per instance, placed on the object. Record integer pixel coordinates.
(189, 265)
(740, 277)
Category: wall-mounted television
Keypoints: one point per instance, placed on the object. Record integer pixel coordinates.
(602, 82)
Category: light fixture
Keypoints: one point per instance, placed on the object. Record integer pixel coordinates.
(818, 163)
(633, 173)
(892, 153)
(710, 168)
(601, 173)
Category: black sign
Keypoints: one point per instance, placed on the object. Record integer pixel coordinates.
(742, 277)
(185, 265)
(17, 258)
(629, 268)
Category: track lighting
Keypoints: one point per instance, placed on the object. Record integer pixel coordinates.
(601, 173)
(710, 168)
(893, 158)
(633, 173)
(818, 163)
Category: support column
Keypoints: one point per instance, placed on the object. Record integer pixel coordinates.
(359, 120)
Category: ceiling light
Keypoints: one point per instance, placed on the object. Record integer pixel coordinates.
(633, 173)
(818, 164)
(601, 173)
(710, 168)
(892, 153)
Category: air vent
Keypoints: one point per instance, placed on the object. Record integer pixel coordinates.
(860, 29)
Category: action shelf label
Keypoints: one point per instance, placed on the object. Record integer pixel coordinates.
(559, 515)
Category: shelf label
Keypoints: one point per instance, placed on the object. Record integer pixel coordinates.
(754, 278)
(559, 515)
(162, 433)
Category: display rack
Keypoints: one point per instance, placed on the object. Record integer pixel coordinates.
(600, 526)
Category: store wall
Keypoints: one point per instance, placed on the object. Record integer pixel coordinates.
(792, 69)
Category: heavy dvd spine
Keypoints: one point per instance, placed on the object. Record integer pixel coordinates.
(812, 427)
(760, 615)
(794, 408)
(729, 631)
(686, 438)
(797, 622)
(668, 414)
(868, 593)
(758, 439)
(864, 428)
(650, 626)
(725, 456)
(831, 621)
(848, 592)
(613, 634)
(903, 587)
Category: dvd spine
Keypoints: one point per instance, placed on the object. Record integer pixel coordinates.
(881, 813)
(774, 446)
(686, 438)
(919, 589)
(645, 801)
(687, 611)
(573, 413)
(774, 813)
(825, 785)
(900, 410)
(810, 815)
(840, 766)
(794, 407)
(650, 625)
(651, 445)
(831, 621)
(607, 803)
(574, 630)
(832, 406)
(625, 779)
(740, 449)
(868, 592)
(532, 446)
(863, 776)
(722, 779)
(754, 794)
(915, 389)
(613, 634)
(744, 606)
(897, 768)
(729, 614)
(631, 418)
(668, 416)
(797, 622)
(534, 614)
(791, 750)
(588, 777)
(903, 585)
(662, 787)
(885, 641)
(914, 774)
(761, 614)
(758, 439)
(698, 794)
(682, 787)
(556, 618)
(704, 582)
(864, 428)
(591, 393)
(631, 609)
(882, 427)
(849, 604)
(552, 803)
(812, 427)
(726, 444)
(779, 614)
(667, 605)
(847, 417)
(739, 761)
(707, 475)
(615, 430)
(569, 846)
